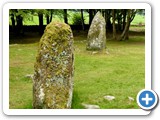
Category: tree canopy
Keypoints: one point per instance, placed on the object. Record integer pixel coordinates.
(117, 20)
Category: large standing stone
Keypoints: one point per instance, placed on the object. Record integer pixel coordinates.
(53, 77)
(96, 39)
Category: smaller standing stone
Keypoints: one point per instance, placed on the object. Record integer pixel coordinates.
(96, 39)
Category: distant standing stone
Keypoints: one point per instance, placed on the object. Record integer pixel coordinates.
(53, 77)
(96, 39)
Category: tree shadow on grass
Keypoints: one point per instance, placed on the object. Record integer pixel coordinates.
(28, 105)
(27, 38)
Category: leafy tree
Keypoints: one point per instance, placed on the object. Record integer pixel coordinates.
(49, 15)
(124, 13)
(141, 11)
(114, 24)
(78, 18)
(130, 16)
(65, 16)
(17, 17)
(108, 19)
(12, 13)
(40, 13)
(90, 15)
(119, 17)
(82, 20)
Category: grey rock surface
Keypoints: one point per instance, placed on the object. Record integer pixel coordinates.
(96, 39)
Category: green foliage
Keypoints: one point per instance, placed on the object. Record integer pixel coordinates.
(30, 16)
(26, 14)
(76, 18)
(141, 11)
(40, 11)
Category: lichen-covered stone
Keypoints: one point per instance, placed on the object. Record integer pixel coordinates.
(96, 39)
(53, 77)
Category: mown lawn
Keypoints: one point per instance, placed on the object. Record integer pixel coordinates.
(118, 73)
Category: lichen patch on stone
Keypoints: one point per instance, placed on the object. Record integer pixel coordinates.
(96, 39)
(41, 94)
(54, 68)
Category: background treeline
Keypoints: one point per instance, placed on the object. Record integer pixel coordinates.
(117, 20)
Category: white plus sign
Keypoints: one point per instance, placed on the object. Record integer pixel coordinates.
(147, 99)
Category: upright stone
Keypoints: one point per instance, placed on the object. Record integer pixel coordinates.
(53, 77)
(96, 39)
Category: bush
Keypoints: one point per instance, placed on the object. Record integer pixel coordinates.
(76, 18)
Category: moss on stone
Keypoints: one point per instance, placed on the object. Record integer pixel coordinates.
(54, 66)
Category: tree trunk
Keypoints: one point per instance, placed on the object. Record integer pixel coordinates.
(103, 12)
(19, 26)
(108, 21)
(119, 15)
(124, 35)
(51, 16)
(119, 25)
(65, 16)
(90, 16)
(124, 18)
(132, 14)
(82, 19)
(41, 30)
(114, 25)
(13, 22)
(94, 12)
(47, 19)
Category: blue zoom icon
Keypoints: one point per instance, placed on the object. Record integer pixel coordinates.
(147, 99)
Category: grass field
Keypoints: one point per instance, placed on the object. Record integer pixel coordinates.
(119, 73)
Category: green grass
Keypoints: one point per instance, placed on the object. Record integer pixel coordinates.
(120, 73)
(139, 19)
(22, 57)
